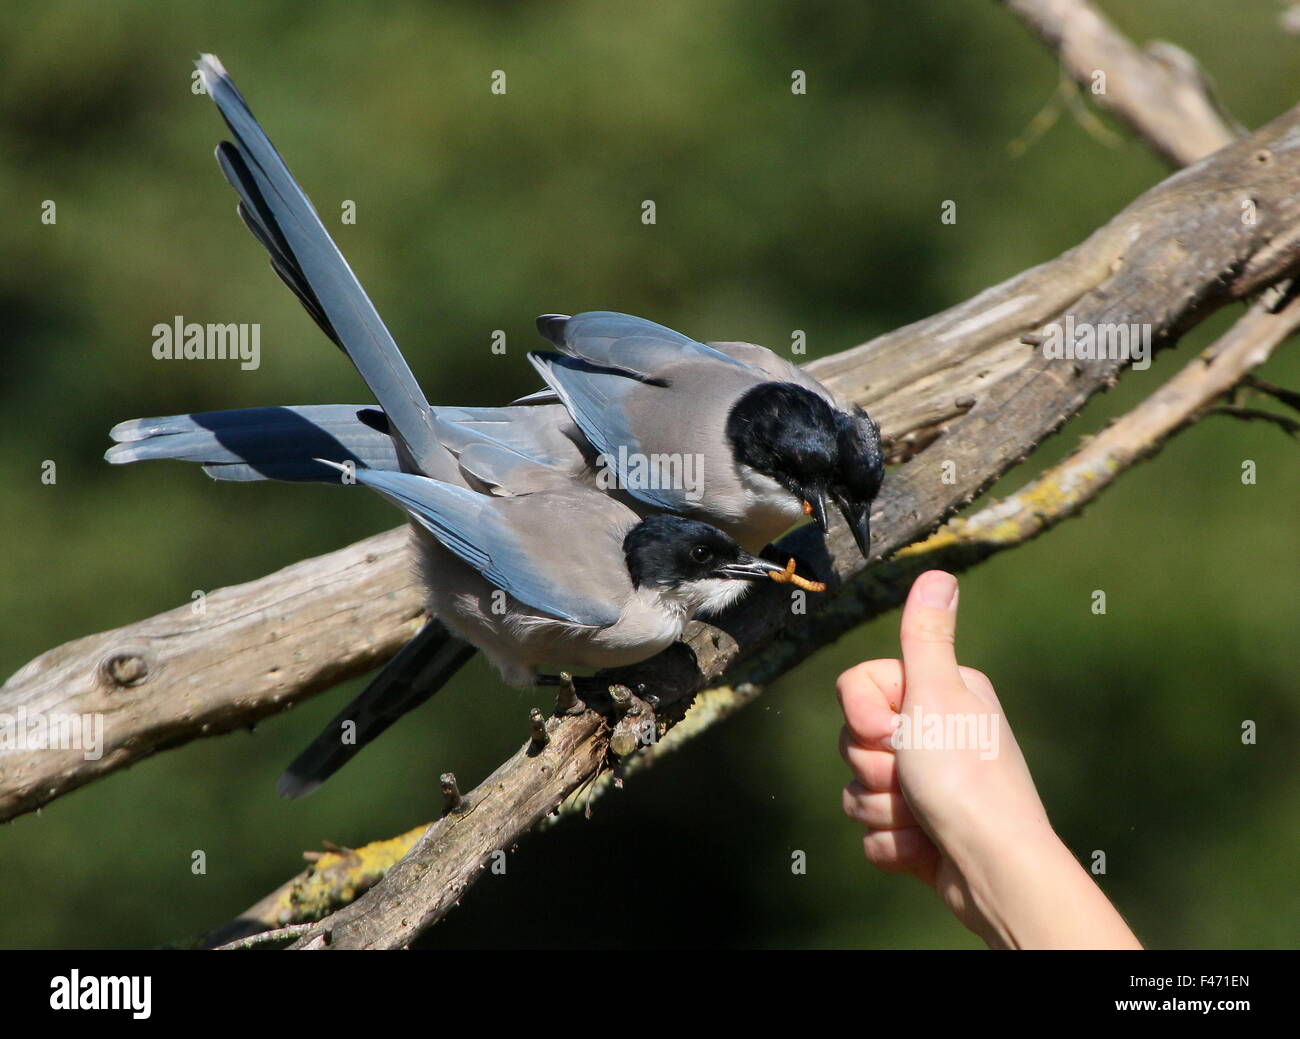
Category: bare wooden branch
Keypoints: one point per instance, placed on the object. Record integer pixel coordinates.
(334, 878)
(1054, 496)
(1161, 279)
(1064, 489)
(413, 897)
(242, 653)
(1289, 426)
(1161, 93)
(1177, 253)
(279, 936)
(1279, 393)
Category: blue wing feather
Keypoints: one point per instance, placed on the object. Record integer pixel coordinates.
(472, 526)
(625, 342)
(594, 399)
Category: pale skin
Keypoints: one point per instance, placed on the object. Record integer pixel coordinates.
(969, 825)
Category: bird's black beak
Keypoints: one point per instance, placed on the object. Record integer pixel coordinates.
(748, 568)
(858, 517)
(814, 505)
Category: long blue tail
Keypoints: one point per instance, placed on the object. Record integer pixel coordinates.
(420, 669)
(260, 443)
(305, 256)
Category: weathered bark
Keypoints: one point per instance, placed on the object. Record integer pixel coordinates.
(337, 877)
(1162, 266)
(254, 650)
(1160, 92)
(1168, 260)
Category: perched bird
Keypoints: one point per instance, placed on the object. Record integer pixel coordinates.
(557, 571)
(773, 443)
(533, 454)
(532, 568)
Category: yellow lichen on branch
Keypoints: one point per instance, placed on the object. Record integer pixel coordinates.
(334, 878)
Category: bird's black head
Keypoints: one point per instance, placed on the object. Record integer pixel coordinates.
(665, 551)
(788, 433)
(813, 450)
(860, 473)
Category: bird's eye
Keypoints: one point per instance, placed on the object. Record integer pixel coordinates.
(701, 554)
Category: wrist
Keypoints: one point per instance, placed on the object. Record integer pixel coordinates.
(1004, 871)
(1029, 892)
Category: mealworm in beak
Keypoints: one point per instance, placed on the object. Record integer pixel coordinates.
(788, 576)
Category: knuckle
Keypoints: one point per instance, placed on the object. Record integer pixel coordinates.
(928, 631)
(851, 681)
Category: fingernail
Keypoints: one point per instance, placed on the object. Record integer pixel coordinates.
(937, 589)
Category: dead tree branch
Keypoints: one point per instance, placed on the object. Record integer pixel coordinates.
(394, 914)
(1161, 93)
(1173, 256)
(962, 379)
(1289, 426)
(422, 887)
(1061, 492)
(251, 651)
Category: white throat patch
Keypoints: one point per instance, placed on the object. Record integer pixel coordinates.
(708, 596)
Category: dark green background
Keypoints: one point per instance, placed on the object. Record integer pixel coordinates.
(477, 212)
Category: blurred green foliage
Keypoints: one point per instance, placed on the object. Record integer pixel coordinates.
(478, 211)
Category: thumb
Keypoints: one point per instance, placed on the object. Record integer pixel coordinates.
(928, 631)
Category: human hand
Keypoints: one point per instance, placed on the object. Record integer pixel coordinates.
(945, 793)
